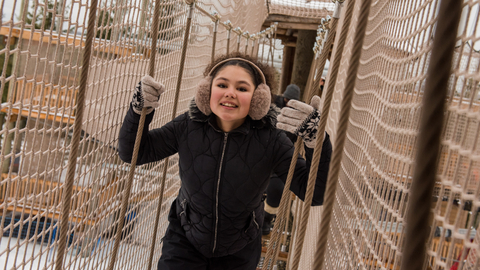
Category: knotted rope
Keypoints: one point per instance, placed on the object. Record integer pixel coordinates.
(342, 128)
(174, 113)
(314, 86)
(330, 89)
(431, 123)
(274, 244)
(302, 227)
(131, 174)
(282, 216)
(72, 159)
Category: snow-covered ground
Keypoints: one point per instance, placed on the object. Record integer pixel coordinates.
(17, 254)
(42, 256)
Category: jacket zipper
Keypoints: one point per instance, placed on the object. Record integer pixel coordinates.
(218, 189)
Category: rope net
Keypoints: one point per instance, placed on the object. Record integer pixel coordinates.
(368, 222)
(41, 54)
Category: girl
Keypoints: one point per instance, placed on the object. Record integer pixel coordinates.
(229, 143)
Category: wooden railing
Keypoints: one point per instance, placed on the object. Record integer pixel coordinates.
(46, 97)
(41, 197)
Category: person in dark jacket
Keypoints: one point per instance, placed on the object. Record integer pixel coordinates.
(291, 92)
(229, 143)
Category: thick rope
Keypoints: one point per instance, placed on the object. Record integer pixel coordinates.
(214, 40)
(72, 159)
(296, 218)
(253, 48)
(229, 33)
(174, 113)
(246, 45)
(335, 163)
(310, 80)
(282, 216)
(155, 28)
(431, 123)
(271, 48)
(263, 48)
(274, 244)
(333, 73)
(302, 228)
(239, 38)
(322, 60)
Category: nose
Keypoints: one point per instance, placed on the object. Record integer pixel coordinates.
(230, 92)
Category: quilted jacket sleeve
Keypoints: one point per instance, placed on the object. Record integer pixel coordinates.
(302, 168)
(155, 145)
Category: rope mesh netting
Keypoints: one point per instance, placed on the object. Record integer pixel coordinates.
(42, 48)
(368, 223)
(40, 86)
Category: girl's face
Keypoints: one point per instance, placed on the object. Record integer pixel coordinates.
(232, 91)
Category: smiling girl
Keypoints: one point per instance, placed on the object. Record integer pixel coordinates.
(229, 143)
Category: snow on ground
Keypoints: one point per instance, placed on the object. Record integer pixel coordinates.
(20, 257)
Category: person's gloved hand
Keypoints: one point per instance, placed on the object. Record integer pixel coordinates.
(301, 119)
(147, 93)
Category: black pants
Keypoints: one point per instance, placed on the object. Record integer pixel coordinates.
(179, 254)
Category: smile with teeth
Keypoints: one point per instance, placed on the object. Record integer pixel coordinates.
(226, 104)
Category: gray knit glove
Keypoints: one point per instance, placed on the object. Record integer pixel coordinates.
(301, 119)
(147, 93)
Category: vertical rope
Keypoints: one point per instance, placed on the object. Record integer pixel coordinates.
(72, 159)
(431, 122)
(314, 88)
(311, 74)
(281, 216)
(253, 48)
(335, 163)
(238, 42)
(174, 113)
(333, 73)
(155, 29)
(257, 46)
(215, 29)
(313, 172)
(246, 45)
(274, 244)
(271, 49)
(263, 47)
(296, 217)
(133, 164)
(229, 33)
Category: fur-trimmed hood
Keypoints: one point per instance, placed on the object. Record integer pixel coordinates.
(268, 121)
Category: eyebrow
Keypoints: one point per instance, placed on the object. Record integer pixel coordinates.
(225, 79)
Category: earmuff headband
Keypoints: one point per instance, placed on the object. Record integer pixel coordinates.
(240, 59)
(261, 99)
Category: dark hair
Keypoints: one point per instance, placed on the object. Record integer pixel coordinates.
(267, 70)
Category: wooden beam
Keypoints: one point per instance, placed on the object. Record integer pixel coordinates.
(290, 44)
(292, 19)
(281, 32)
(287, 25)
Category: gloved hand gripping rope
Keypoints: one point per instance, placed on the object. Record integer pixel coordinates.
(301, 119)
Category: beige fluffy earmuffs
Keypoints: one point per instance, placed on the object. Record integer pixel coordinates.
(261, 98)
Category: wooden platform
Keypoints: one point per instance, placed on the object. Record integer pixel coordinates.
(43, 198)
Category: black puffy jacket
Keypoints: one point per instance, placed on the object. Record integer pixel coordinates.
(224, 175)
